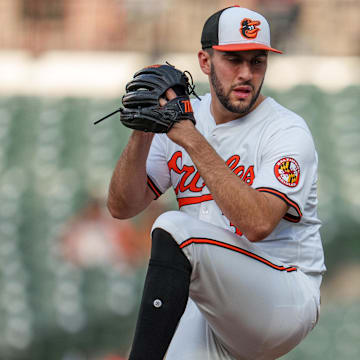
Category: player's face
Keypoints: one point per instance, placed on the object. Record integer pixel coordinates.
(237, 78)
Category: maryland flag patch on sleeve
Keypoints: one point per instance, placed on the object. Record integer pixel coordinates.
(287, 171)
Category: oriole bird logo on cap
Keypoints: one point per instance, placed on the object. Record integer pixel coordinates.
(249, 29)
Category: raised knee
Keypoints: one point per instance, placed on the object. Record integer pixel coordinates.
(166, 251)
(170, 221)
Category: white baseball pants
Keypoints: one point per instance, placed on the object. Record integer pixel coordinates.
(244, 304)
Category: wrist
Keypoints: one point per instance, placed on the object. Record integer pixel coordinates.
(142, 136)
(191, 140)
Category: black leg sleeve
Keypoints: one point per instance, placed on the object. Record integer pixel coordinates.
(164, 299)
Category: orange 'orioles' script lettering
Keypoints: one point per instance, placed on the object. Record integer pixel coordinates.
(190, 177)
(190, 180)
(247, 176)
(186, 182)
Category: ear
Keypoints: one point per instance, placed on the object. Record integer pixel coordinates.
(204, 61)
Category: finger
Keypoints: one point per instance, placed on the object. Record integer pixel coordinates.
(170, 94)
(162, 101)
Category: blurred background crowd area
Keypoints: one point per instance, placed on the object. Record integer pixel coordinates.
(322, 27)
(70, 275)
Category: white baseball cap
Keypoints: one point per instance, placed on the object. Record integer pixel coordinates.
(236, 29)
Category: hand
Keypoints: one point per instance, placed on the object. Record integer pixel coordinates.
(141, 106)
(183, 131)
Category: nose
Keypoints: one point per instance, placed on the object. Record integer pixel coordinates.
(244, 71)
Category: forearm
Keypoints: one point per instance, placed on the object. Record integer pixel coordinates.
(128, 190)
(241, 204)
(245, 207)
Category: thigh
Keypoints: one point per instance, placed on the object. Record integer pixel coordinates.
(254, 304)
(194, 339)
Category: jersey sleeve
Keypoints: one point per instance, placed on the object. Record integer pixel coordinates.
(288, 169)
(158, 175)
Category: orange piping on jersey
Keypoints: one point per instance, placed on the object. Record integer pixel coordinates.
(194, 200)
(238, 250)
(292, 218)
(154, 188)
(291, 203)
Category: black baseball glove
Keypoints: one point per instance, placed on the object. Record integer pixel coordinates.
(142, 110)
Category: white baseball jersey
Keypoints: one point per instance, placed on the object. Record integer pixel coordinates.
(272, 150)
(247, 300)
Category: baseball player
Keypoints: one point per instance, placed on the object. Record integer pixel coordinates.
(236, 272)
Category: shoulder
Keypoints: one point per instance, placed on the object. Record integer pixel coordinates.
(284, 118)
(282, 122)
(284, 126)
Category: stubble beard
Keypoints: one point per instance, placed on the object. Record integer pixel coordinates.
(224, 98)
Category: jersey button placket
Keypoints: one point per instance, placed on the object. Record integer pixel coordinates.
(213, 138)
(204, 212)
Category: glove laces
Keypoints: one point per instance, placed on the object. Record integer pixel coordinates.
(190, 88)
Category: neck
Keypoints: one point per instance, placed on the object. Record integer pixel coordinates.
(222, 115)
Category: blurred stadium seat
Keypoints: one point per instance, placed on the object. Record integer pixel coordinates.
(52, 158)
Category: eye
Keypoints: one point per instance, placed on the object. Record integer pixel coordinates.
(258, 61)
(233, 59)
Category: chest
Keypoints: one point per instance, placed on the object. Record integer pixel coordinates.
(239, 147)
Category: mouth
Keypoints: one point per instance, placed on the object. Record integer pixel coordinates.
(242, 92)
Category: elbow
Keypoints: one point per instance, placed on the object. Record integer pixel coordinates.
(259, 232)
(115, 211)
